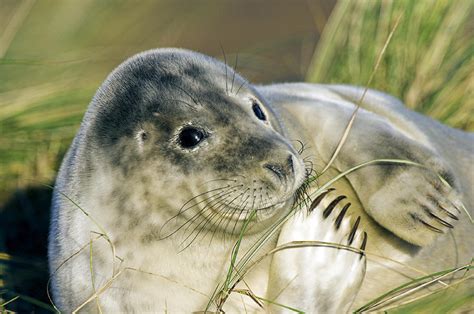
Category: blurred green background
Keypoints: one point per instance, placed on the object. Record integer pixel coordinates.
(54, 55)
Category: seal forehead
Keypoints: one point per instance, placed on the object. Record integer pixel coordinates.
(170, 82)
(173, 66)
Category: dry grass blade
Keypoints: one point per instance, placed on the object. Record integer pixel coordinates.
(409, 288)
(412, 290)
(62, 264)
(2, 306)
(167, 279)
(98, 225)
(91, 269)
(257, 300)
(222, 292)
(99, 291)
(369, 82)
(297, 245)
(109, 282)
(430, 293)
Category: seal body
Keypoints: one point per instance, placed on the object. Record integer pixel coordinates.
(177, 152)
(399, 205)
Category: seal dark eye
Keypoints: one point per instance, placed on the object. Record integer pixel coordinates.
(190, 137)
(258, 111)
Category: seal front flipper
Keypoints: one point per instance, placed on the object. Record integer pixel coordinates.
(318, 279)
(416, 202)
(409, 201)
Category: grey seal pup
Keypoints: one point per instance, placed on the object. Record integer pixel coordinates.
(175, 152)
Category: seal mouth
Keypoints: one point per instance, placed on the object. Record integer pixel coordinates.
(241, 214)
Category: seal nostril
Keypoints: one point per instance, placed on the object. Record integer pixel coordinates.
(280, 173)
(284, 170)
(289, 162)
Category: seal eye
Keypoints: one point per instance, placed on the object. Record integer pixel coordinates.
(190, 137)
(258, 111)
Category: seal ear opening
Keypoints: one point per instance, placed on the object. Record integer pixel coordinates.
(141, 136)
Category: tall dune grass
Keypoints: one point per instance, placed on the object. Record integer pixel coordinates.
(429, 65)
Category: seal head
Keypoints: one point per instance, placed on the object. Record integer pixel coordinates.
(182, 128)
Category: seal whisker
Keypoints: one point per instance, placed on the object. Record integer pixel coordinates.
(242, 203)
(220, 179)
(197, 227)
(225, 204)
(241, 85)
(307, 159)
(308, 162)
(301, 149)
(309, 172)
(308, 156)
(233, 74)
(218, 205)
(212, 202)
(306, 196)
(225, 62)
(265, 203)
(303, 146)
(260, 205)
(182, 211)
(301, 196)
(187, 222)
(305, 200)
(207, 219)
(267, 200)
(230, 209)
(235, 208)
(244, 209)
(261, 197)
(268, 195)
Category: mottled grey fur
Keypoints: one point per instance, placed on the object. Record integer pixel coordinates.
(126, 168)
